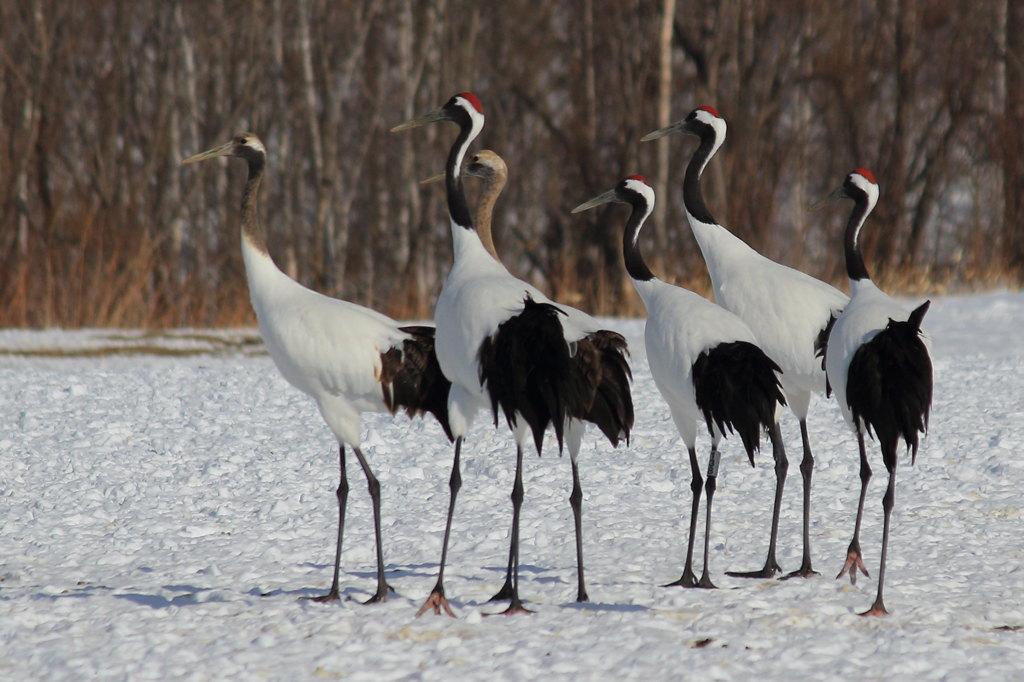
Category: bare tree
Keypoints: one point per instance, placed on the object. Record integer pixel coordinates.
(100, 100)
(1013, 140)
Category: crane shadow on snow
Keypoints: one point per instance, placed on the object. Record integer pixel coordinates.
(606, 606)
(189, 595)
(180, 595)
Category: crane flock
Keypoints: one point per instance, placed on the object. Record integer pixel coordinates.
(772, 337)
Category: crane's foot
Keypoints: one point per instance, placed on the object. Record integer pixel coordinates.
(326, 598)
(504, 593)
(515, 608)
(581, 595)
(687, 579)
(770, 570)
(854, 562)
(381, 595)
(877, 609)
(705, 582)
(805, 571)
(436, 602)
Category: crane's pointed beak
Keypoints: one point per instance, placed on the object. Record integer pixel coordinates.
(435, 115)
(837, 193)
(223, 150)
(605, 198)
(677, 127)
(432, 179)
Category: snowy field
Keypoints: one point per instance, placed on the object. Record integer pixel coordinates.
(165, 510)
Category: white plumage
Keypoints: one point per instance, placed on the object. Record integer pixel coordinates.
(327, 348)
(788, 311)
(869, 312)
(685, 334)
(348, 358)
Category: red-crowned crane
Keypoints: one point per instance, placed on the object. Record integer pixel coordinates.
(504, 344)
(789, 312)
(348, 358)
(705, 361)
(878, 363)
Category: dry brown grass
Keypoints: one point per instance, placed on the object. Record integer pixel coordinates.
(110, 277)
(113, 277)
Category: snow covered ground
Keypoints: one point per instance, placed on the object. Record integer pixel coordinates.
(164, 513)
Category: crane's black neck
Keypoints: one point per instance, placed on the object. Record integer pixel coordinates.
(458, 207)
(692, 195)
(252, 225)
(635, 264)
(855, 267)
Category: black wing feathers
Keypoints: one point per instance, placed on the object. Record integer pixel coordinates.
(737, 388)
(412, 379)
(529, 370)
(525, 368)
(821, 346)
(889, 385)
(602, 370)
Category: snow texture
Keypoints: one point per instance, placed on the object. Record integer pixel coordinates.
(164, 514)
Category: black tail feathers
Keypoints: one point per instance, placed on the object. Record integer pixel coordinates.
(737, 388)
(889, 385)
(601, 371)
(525, 369)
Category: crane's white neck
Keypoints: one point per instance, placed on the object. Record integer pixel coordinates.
(467, 247)
(720, 247)
(266, 281)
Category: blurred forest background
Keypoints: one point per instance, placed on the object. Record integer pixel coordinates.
(101, 99)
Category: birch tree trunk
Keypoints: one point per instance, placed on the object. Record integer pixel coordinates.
(668, 16)
(1012, 144)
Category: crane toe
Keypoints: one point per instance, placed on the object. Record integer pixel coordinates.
(436, 602)
(854, 561)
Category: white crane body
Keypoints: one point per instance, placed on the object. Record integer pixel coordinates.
(789, 312)
(705, 362)
(348, 358)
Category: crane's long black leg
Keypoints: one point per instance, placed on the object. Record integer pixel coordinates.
(854, 559)
(516, 606)
(506, 589)
(709, 488)
(888, 501)
(576, 502)
(374, 486)
(806, 469)
(771, 566)
(437, 600)
(342, 494)
(688, 579)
